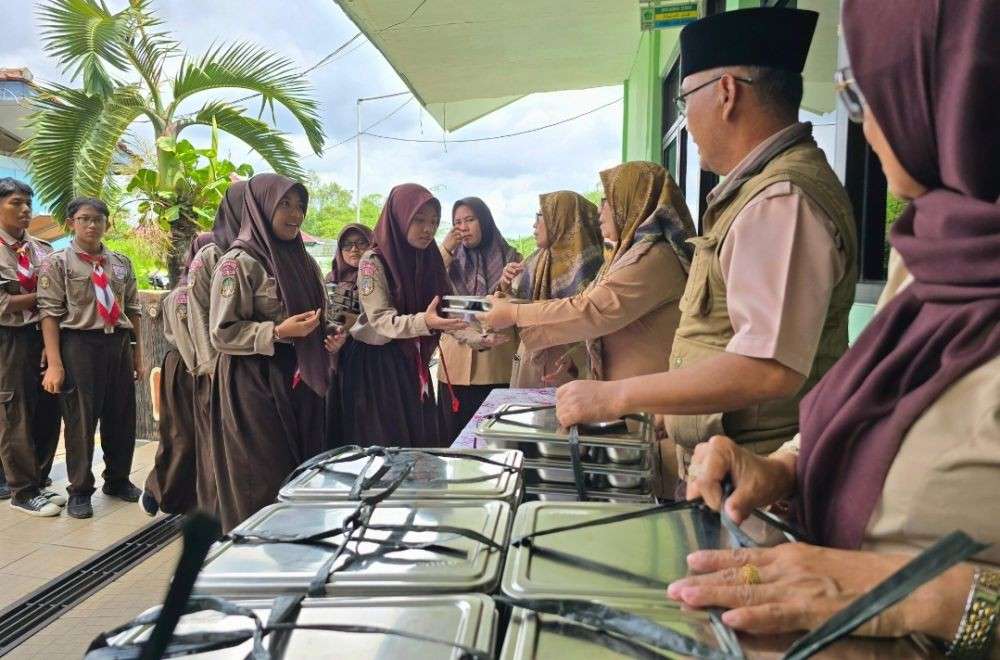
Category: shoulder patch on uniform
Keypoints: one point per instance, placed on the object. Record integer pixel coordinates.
(228, 287)
(366, 284)
(119, 270)
(182, 311)
(44, 281)
(368, 268)
(229, 267)
(194, 265)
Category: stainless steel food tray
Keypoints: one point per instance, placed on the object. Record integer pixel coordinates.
(437, 474)
(467, 619)
(250, 570)
(557, 493)
(544, 473)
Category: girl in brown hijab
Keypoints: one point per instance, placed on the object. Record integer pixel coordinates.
(475, 254)
(342, 288)
(900, 441)
(387, 396)
(267, 321)
(628, 314)
(570, 252)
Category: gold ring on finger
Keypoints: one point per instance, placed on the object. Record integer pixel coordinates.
(750, 574)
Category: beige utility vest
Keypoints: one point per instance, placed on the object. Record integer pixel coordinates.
(705, 328)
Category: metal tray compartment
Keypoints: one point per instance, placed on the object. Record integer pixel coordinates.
(532, 636)
(625, 442)
(251, 570)
(654, 547)
(468, 619)
(542, 475)
(554, 493)
(432, 478)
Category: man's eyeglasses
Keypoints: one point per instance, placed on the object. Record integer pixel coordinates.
(681, 99)
(90, 219)
(850, 94)
(359, 244)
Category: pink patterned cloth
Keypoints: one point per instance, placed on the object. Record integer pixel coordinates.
(535, 397)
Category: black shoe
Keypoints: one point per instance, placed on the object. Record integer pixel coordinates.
(79, 507)
(148, 504)
(125, 491)
(39, 505)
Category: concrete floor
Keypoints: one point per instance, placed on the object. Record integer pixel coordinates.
(35, 550)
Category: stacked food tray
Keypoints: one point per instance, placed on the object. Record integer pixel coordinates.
(615, 461)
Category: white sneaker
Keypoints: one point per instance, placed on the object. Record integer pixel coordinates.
(36, 506)
(52, 496)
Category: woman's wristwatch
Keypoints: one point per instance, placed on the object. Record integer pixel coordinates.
(978, 629)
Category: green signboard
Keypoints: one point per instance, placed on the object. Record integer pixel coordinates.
(662, 14)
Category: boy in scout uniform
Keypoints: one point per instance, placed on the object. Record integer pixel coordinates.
(764, 313)
(29, 416)
(89, 303)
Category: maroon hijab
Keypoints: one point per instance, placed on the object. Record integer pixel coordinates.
(343, 272)
(299, 285)
(930, 73)
(415, 276)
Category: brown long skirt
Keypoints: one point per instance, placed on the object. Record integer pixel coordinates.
(208, 496)
(172, 479)
(262, 429)
(380, 399)
(470, 397)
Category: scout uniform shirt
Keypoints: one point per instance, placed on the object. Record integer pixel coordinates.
(176, 310)
(245, 307)
(200, 272)
(772, 278)
(12, 251)
(66, 290)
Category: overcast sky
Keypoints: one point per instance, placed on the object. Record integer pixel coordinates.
(509, 174)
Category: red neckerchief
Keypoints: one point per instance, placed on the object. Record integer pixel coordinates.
(107, 306)
(26, 275)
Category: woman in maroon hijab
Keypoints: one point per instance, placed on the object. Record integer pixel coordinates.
(342, 288)
(387, 395)
(900, 442)
(267, 320)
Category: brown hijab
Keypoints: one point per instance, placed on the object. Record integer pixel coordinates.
(343, 272)
(575, 252)
(943, 61)
(415, 276)
(476, 271)
(299, 285)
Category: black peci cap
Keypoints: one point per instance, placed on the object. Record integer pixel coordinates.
(778, 38)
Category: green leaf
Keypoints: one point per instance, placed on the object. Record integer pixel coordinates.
(145, 180)
(257, 69)
(166, 143)
(86, 39)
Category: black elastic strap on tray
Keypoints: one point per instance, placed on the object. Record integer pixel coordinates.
(595, 566)
(620, 625)
(280, 624)
(579, 480)
(947, 552)
(608, 520)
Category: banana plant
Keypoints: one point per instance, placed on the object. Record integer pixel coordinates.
(120, 60)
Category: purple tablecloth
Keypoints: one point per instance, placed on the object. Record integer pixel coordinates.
(467, 438)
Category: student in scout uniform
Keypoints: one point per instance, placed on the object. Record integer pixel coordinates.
(387, 397)
(475, 254)
(267, 320)
(89, 303)
(629, 312)
(200, 271)
(765, 310)
(168, 486)
(29, 416)
(342, 284)
(569, 256)
(900, 442)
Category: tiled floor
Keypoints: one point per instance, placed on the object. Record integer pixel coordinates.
(35, 550)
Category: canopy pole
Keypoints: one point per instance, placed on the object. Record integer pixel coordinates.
(357, 185)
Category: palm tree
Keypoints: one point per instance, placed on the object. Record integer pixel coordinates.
(120, 58)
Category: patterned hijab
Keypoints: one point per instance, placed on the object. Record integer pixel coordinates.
(575, 251)
(648, 208)
(476, 271)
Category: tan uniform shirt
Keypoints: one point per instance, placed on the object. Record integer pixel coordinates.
(467, 365)
(175, 310)
(379, 322)
(634, 309)
(66, 292)
(38, 250)
(244, 307)
(780, 263)
(946, 475)
(200, 272)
